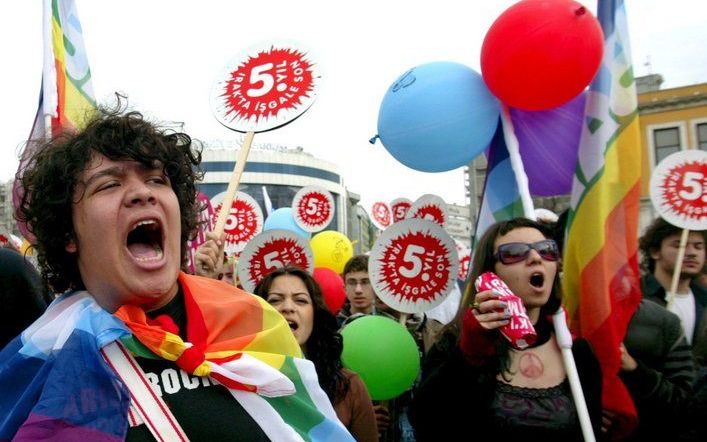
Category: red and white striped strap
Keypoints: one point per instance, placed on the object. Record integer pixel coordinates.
(149, 406)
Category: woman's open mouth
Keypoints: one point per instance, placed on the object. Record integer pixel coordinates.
(537, 280)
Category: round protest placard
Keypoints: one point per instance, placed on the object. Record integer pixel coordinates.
(313, 208)
(271, 250)
(380, 215)
(431, 208)
(265, 88)
(244, 221)
(399, 208)
(413, 265)
(679, 189)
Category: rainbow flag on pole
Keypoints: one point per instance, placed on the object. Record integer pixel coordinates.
(66, 81)
(66, 96)
(501, 199)
(601, 279)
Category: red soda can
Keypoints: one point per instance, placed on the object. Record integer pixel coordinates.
(519, 331)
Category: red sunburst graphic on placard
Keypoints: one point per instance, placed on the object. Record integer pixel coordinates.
(464, 263)
(430, 212)
(276, 253)
(242, 223)
(314, 209)
(415, 266)
(270, 82)
(381, 214)
(400, 210)
(684, 190)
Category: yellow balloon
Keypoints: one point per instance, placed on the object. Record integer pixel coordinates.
(331, 249)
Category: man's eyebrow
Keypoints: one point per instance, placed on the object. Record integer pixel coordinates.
(115, 171)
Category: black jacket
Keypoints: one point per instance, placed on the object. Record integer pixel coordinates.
(661, 384)
(655, 292)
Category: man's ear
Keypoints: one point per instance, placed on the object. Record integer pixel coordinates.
(654, 253)
(71, 246)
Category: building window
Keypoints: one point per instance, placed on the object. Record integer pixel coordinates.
(666, 142)
(702, 136)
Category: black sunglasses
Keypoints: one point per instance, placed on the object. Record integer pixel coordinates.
(513, 252)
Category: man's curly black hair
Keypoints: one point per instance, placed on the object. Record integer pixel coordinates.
(325, 344)
(50, 182)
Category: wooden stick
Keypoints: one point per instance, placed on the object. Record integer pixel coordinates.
(678, 267)
(233, 184)
(403, 318)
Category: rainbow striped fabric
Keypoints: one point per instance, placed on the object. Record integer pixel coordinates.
(601, 279)
(66, 94)
(56, 386)
(67, 90)
(501, 199)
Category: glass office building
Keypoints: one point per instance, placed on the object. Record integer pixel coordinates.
(277, 171)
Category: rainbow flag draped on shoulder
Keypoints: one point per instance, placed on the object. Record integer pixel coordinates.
(56, 385)
(601, 279)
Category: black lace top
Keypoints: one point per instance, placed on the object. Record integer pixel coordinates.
(546, 409)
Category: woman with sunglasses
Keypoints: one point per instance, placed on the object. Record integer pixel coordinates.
(506, 393)
(297, 296)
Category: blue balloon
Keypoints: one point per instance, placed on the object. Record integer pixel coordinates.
(282, 218)
(437, 117)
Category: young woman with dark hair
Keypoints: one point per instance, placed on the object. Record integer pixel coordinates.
(506, 393)
(298, 297)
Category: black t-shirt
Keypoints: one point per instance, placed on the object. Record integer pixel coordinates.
(206, 410)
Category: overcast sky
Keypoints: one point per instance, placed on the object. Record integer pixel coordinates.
(165, 55)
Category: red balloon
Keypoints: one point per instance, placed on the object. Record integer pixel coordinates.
(540, 54)
(332, 288)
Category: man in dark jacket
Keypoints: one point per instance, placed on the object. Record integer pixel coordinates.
(659, 246)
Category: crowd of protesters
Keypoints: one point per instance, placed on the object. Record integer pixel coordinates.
(111, 209)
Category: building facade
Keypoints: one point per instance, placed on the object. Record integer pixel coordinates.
(671, 120)
(7, 221)
(276, 173)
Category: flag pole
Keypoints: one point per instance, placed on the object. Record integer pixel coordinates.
(517, 163)
(564, 340)
(49, 91)
(562, 332)
(678, 268)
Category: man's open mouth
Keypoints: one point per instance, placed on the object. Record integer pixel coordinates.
(145, 240)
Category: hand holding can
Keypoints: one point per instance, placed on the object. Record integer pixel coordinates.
(519, 331)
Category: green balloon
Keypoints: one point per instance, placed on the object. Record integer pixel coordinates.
(383, 353)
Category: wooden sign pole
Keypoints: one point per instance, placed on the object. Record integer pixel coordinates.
(678, 267)
(233, 184)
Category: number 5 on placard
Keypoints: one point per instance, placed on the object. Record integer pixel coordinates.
(411, 252)
(694, 182)
(271, 262)
(258, 75)
(311, 207)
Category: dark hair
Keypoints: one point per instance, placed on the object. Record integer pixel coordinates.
(50, 182)
(325, 344)
(484, 261)
(358, 263)
(652, 239)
